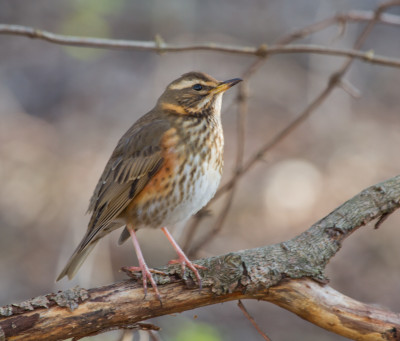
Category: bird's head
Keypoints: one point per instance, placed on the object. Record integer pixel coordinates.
(195, 93)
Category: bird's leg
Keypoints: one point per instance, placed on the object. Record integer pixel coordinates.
(182, 258)
(146, 274)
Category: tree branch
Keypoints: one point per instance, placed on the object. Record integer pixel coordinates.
(342, 19)
(283, 274)
(289, 274)
(252, 321)
(161, 47)
(334, 80)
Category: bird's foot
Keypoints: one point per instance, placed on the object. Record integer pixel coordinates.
(146, 275)
(185, 262)
(138, 269)
(182, 259)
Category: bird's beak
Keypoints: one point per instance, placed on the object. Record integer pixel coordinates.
(225, 85)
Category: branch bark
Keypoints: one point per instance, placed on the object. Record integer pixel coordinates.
(289, 274)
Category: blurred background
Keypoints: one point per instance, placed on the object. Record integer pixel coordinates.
(62, 111)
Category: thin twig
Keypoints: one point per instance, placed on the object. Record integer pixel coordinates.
(252, 321)
(129, 327)
(161, 47)
(278, 138)
(333, 81)
(350, 16)
(154, 336)
(341, 18)
(382, 219)
(350, 89)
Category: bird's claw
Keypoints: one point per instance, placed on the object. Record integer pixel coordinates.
(185, 262)
(146, 275)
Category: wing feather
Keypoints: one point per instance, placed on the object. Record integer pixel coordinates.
(137, 157)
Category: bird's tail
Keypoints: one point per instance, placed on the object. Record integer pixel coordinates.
(76, 260)
(124, 236)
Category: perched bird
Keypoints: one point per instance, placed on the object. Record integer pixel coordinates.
(165, 168)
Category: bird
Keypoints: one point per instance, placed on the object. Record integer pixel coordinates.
(164, 169)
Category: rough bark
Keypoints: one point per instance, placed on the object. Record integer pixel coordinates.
(289, 274)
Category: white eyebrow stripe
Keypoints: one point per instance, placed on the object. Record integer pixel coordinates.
(183, 84)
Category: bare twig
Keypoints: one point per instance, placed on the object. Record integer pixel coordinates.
(156, 46)
(136, 326)
(342, 18)
(153, 336)
(350, 88)
(382, 219)
(334, 80)
(252, 321)
(278, 138)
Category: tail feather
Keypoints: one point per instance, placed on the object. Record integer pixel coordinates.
(124, 236)
(76, 260)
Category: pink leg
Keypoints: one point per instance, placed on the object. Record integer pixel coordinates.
(146, 274)
(182, 258)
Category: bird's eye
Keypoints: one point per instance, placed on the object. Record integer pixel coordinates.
(197, 87)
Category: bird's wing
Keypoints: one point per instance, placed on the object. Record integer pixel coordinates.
(137, 157)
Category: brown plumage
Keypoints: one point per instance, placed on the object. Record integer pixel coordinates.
(165, 168)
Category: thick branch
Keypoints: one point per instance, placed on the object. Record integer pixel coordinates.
(162, 47)
(279, 273)
(331, 310)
